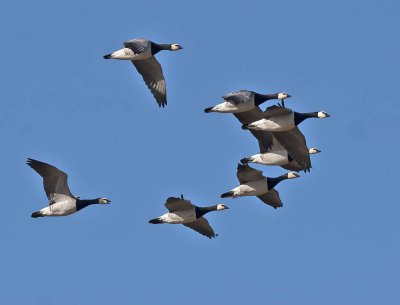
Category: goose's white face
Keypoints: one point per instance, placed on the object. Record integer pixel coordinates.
(104, 201)
(314, 151)
(175, 47)
(323, 114)
(221, 207)
(293, 175)
(283, 95)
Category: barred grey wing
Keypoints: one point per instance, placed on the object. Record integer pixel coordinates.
(152, 74)
(271, 198)
(245, 173)
(54, 180)
(295, 143)
(138, 46)
(201, 226)
(174, 204)
(238, 97)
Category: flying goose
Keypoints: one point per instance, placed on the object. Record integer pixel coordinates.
(293, 140)
(277, 118)
(184, 212)
(244, 100)
(61, 200)
(253, 183)
(141, 52)
(277, 155)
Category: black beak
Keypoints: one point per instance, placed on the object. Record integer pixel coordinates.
(180, 48)
(289, 96)
(108, 201)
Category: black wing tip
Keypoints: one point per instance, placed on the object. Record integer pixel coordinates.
(242, 165)
(212, 236)
(30, 161)
(162, 103)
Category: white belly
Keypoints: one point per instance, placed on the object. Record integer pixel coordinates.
(128, 54)
(62, 208)
(279, 157)
(276, 157)
(252, 188)
(233, 108)
(183, 216)
(279, 123)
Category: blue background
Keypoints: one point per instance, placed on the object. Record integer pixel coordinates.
(335, 241)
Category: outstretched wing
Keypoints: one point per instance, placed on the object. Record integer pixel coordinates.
(174, 204)
(274, 145)
(295, 143)
(274, 111)
(238, 97)
(152, 74)
(202, 226)
(54, 180)
(138, 46)
(245, 173)
(264, 138)
(271, 198)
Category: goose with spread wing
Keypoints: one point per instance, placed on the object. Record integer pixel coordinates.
(141, 52)
(253, 183)
(277, 118)
(181, 211)
(277, 155)
(292, 140)
(61, 200)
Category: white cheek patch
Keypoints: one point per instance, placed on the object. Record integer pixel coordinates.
(281, 96)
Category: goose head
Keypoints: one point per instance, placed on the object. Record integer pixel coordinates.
(104, 201)
(283, 95)
(313, 150)
(221, 207)
(323, 114)
(175, 47)
(292, 175)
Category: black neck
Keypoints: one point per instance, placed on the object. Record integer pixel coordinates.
(300, 117)
(155, 48)
(202, 211)
(80, 204)
(272, 182)
(261, 98)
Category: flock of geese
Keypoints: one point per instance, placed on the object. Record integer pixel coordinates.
(276, 129)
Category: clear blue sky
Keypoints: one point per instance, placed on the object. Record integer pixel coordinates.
(335, 241)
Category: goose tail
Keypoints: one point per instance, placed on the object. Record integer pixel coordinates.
(37, 214)
(156, 221)
(227, 194)
(108, 56)
(208, 110)
(244, 161)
